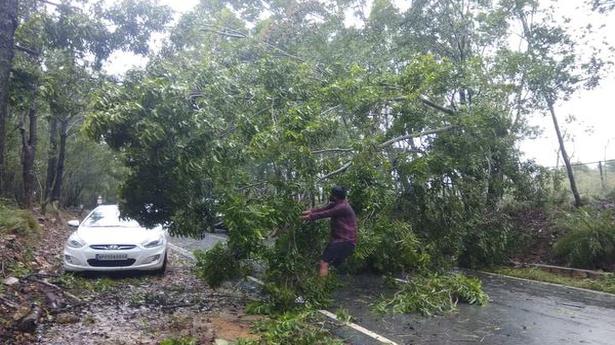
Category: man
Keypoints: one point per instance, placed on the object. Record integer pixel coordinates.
(343, 229)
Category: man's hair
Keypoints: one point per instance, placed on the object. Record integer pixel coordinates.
(338, 192)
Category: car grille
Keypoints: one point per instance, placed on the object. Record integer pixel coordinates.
(111, 263)
(112, 246)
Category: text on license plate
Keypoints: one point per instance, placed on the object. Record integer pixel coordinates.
(111, 256)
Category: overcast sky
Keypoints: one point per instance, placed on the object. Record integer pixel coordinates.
(591, 136)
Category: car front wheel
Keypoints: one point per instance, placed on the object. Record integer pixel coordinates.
(163, 268)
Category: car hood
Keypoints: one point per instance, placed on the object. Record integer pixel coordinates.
(105, 235)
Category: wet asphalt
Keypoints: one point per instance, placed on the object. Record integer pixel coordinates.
(519, 313)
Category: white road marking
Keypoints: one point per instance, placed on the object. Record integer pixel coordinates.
(349, 324)
(256, 280)
(326, 313)
(358, 328)
(181, 251)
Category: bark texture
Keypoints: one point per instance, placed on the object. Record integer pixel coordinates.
(8, 25)
(57, 186)
(560, 139)
(29, 139)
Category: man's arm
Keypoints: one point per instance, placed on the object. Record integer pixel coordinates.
(336, 210)
(305, 214)
(324, 208)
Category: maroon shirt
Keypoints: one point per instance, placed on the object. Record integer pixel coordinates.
(343, 220)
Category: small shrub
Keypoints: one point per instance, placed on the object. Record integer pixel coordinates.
(589, 241)
(299, 328)
(434, 294)
(217, 265)
(18, 222)
(488, 241)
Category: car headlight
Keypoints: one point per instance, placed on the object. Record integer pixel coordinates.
(153, 243)
(75, 242)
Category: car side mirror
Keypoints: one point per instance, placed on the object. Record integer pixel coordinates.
(73, 223)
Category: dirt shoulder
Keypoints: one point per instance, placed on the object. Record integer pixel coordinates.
(45, 306)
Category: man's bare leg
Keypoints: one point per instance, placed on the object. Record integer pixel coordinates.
(324, 269)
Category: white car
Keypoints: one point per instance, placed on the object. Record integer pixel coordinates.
(105, 242)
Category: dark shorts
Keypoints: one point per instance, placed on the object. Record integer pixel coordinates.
(337, 252)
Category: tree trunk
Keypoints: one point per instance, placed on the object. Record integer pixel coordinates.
(29, 139)
(8, 25)
(57, 186)
(52, 157)
(560, 139)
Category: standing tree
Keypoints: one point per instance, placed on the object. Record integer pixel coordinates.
(8, 25)
(553, 69)
(69, 43)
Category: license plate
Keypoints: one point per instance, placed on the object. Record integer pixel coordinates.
(111, 256)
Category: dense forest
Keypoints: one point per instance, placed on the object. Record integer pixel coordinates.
(251, 110)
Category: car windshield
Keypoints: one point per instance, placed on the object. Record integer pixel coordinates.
(108, 216)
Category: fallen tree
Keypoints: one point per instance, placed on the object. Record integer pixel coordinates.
(254, 126)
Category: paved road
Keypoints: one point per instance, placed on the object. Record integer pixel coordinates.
(520, 312)
(192, 244)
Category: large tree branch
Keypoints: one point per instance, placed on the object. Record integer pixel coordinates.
(229, 32)
(429, 103)
(414, 135)
(29, 51)
(426, 101)
(337, 149)
(335, 172)
(383, 145)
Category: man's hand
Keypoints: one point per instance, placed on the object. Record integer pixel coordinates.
(305, 215)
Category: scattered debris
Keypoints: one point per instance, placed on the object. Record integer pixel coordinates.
(126, 308)
(10, 281)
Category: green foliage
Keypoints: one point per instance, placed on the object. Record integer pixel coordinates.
(223, 123)
(434, 294)
(179, 341)
(343, 315)
(18, 222)
(217, 265)
(292, 268)
(489, 240)
(386, 246)
(299, 328)
(590, 238)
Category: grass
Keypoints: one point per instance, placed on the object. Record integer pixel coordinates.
(80, 283)
(23, 226)
(604, 284)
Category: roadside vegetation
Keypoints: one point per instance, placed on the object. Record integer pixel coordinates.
(589, 239)
(301, 328)
(604, 284)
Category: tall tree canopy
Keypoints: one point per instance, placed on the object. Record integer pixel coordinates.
(59, 49)
(417, 112)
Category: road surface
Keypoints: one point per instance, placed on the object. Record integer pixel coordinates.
(520, 312)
